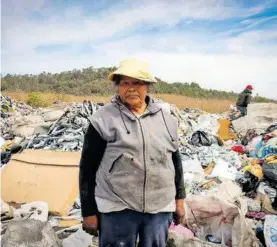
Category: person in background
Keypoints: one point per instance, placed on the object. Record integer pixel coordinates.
(131, 176)
(244, 100)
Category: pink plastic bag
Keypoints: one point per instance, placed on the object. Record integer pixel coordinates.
(181, 229)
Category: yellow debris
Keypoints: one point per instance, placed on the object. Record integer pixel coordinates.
(224, 131)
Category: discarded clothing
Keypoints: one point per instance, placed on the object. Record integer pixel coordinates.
(272, 159)
(267, 149)
(250, 134)
(238, 149)
(256, 215)
(270, 173)
(249, 183)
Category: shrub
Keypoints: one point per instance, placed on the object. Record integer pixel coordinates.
(35, 99)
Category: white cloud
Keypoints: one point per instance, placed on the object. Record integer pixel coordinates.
(220, 62)
(263, 42)
(66, 27)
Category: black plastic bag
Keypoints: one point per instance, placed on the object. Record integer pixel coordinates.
(271, 128)
(249, 184)
(5, 157)
(270, 174)
(200, 138)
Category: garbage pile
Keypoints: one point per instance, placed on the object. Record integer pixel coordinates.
(67, 134)
(49, 129)
(11, 112)
(230, 179)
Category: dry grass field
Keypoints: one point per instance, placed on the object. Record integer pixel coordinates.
(211, 105)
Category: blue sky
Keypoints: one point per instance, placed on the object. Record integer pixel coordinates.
(219, 44)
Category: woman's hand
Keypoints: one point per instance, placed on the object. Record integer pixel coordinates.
(90, 225)
(179, 215)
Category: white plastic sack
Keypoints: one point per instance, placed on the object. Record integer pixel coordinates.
(227, 191)
(34, 210)
(224, 170)
(207, 123)
(209, 215)
(80, 238)
(270, 230)
(224, 232)
(192, 165)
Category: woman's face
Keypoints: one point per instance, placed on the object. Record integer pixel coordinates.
(132, 91)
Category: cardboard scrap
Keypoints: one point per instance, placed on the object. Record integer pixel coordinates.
(224, 131)
(42, 175)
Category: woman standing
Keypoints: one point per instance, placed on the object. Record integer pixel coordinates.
(131, 177)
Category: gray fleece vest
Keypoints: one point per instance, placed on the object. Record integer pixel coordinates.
(136, 168)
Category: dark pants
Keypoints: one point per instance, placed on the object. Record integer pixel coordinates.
(122, 229)
(243, 110)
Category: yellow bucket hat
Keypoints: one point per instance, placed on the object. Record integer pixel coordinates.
(135, 69)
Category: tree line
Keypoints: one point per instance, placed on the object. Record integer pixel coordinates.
(94, 81)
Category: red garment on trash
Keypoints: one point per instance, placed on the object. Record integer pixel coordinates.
(238, 149)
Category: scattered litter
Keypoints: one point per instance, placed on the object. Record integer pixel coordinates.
(230, 173)
(67, 134)
(224, 170)
(79, 238)
(33, 210)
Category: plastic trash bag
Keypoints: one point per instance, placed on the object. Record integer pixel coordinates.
(181, 229)
(34, 210)
(79, 238)
(224, 170)
(270, 173)
(222, 230)
(200, 138)
(249, 184)
(192, 165)
(208, 123)
(209, 215)
(270, 230)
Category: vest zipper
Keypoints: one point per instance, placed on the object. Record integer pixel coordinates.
(144, 159)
